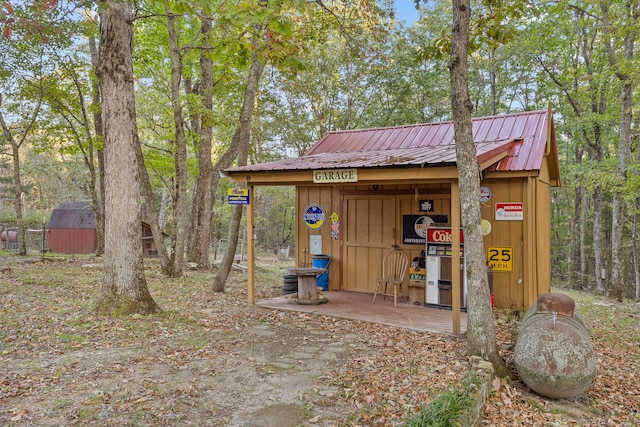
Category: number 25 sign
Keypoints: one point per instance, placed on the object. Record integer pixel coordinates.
(500, 258)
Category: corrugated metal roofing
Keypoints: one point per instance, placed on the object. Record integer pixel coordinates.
(416, 156)
(524, 135)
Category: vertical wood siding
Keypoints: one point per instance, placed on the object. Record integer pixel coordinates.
(370, 224)
(72, 240)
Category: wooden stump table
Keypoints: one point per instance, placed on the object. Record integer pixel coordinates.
(307, 288)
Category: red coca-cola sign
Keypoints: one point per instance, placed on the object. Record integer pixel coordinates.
(441, 235)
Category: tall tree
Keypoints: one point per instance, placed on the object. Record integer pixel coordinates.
(124, 288)
(16, 140)
(203, 197)
(481, 338)
(572, 63)
(628, 25)
(26, 44)
(240, 144)
(96, 105)
(180, 197)
(80, 131)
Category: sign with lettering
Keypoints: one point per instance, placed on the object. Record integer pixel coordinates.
(500, 258)
(335, 176)
(414, 227)
(441, 235)
(485, 194)
(314, 217)
(426, 205)
(511, 211)
(238, 196)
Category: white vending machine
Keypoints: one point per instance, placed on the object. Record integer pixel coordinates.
(433, 275)
(439, 288)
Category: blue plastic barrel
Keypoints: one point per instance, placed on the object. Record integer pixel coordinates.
(322, 261)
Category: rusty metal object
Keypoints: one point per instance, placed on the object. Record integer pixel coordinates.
(559, 303)
(553, 353)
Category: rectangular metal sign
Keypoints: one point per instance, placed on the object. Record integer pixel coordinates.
(500, 258)
(238, 196)
(510, 211)
(335, 175)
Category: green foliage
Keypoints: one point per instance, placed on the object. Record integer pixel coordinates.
(446, 409)
(276, 224)
(339, 65)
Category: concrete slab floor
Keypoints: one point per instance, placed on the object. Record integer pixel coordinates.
(359, 306)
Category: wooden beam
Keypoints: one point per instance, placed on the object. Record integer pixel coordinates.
(251, 253)
(485, 163)
(455, 256)
(365, 176)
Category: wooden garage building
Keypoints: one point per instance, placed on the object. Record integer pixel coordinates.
(358, 193)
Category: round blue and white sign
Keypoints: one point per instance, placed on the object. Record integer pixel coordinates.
(314, 217)
(485, 194)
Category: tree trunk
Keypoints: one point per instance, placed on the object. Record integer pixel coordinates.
(153, 219)
(481, 338)
(241, 140)
(617, 287)
(635, 247)
(17, 178)
(180, 201)
(203, 197)
(17, 198)
(584, 231)
(576, 243)
(598, 240)
(163, 212)
(492, 83)
(628, 24)
(124, 288)
(98, 207)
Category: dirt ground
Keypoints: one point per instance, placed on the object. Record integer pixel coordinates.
(264, 376)
(212, 360)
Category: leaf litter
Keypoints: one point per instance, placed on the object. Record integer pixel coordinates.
(213, 360)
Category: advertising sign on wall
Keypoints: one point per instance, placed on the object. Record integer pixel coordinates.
(314, 217)
(414, 227)
(426, 205)
(238, 196)
(509, 211)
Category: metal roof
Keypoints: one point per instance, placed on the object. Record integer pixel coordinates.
(521, 136)
(417, 156)
(73, 215)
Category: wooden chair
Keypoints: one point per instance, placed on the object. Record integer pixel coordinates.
(394, 268)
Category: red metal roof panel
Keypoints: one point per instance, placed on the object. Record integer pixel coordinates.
(434, 155)
(425, 144)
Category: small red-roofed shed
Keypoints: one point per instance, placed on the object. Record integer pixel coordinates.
(359, 193)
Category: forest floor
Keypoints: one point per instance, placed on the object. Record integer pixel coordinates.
(213, 360)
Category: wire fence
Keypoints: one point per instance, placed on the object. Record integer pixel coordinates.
(35, 239)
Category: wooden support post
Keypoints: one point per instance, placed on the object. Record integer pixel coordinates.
(251, 253)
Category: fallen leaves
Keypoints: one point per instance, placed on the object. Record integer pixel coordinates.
(156, 369)
(18, 414)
